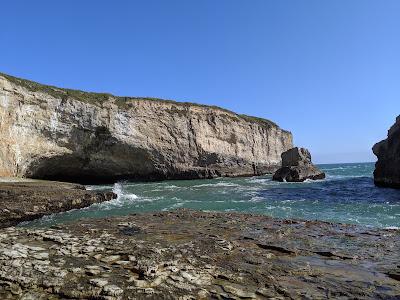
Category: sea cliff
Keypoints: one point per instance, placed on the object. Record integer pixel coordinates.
(387, 168)
(69, 135)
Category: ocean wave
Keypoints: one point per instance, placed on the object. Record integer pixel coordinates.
(171, 187)
(342, 177)
(293, 201)
(118, 189)
(123, 198)
(259, 180)
(256, 199)
(218, 184)
(333, 169)
(392, 227)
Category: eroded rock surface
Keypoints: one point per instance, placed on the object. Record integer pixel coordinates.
(197, 255)
(68, 135)
(26, 201)
(297, 167)
(387, 168)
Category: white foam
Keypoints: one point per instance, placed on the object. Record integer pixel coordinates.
(256, 199)
(218, 184)
(122, 199)
(392, 227)
(131, 196)
(260, 180)
(171, 187)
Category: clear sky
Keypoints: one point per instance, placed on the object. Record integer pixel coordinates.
(329, 71)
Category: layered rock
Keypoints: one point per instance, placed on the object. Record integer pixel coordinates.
(297, 167)
(198, 255)
(387, 168)
(68, 135)
(26, 201)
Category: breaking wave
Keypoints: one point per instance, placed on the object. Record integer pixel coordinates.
(347, 195)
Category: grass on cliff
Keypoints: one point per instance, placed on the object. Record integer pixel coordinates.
(99, 98)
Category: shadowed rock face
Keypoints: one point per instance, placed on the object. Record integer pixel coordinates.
(52, 133)
(297, 167)
(387, 168)
(196, 255)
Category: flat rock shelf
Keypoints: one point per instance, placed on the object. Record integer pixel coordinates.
(28, 200)
(188, 254)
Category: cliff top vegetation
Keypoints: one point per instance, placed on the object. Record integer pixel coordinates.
(99, 98)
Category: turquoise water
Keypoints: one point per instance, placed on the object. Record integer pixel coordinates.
(347, 195)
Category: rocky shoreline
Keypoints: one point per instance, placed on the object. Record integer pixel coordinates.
(61, 134)
(187, 254)
(28, 200)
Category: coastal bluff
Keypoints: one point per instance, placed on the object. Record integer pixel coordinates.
(68, 135)
(387, 168)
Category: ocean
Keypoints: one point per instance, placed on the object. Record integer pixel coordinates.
(347, 195)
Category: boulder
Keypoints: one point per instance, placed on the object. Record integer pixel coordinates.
(297, 167)
(387, 168)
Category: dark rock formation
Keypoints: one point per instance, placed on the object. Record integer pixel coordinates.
(26, 201)
(387, 168)
(196, 255)
(67, 135)
(297, 167)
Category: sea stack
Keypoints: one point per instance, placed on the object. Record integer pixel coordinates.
(69, 135)
(297, 167)
(387, 168)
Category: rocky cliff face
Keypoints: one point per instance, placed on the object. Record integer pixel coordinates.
(52, 133)
(387, 168)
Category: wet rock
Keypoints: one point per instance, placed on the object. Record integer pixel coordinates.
(93, 270)
(297, 167)
(29, 200)
(276, 248)
(277, 259)
(238, 291)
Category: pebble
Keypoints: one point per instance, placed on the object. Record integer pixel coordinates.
(112, 290)
(99, 282)
(41, 255)
(93, 270)
(110, 259)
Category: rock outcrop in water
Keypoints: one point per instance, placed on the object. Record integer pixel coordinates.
(68, 135)
(297, 167)
(387, 168)
(196, 255)
(29, 200)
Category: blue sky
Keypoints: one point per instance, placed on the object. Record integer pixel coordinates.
(329, 71)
